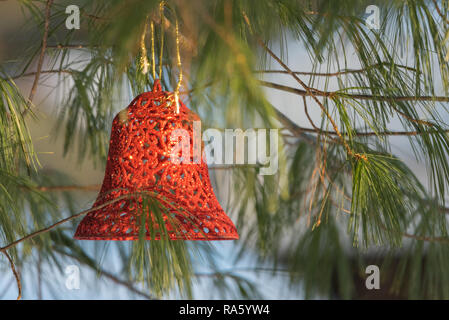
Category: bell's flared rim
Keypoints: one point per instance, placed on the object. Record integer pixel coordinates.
(206, 225)
(149, 238)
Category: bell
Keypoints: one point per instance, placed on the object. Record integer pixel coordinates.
(139, 161)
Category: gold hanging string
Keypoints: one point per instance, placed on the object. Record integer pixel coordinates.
(179, 66)
(152, 51)
(144, 64)
(161, 11)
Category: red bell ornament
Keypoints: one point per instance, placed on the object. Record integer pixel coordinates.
(139, 161)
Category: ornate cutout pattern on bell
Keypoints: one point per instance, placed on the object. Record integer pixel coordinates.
(139, 160)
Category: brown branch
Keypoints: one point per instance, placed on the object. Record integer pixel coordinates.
(362, 97)
(425, 238)
(329, 94)
(30, 74)
(93, 187)
(336, 73)
(419, 238)
(365, 134)
(16, 275)
(315, 128)
(108, 275)
(294, 128)
(445, 19)
(41, 57)
(44, 230)
(69, 46)
(427, 123)
(94, 17)
(299, 131)
(306, 110)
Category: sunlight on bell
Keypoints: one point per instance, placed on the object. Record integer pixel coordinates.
(184, 192)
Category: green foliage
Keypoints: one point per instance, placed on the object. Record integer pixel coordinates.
(15, 140)
(381, 206)
(336, 197)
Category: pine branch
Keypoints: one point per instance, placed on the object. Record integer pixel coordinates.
(302, 93)
(426, 238)
(330, 94)
(49, 228)
(221, 273)
(337, 73)
(306, 111)
(299, 130)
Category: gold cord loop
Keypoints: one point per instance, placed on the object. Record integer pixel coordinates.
(144, 64)
(161, 11)
(178, 55)
(153, 60)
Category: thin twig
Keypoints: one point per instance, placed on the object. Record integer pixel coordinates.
(94, 17)
(109, 275)
(93, 187)
(336, 73)
(308, 116)
(366, 134)
(315, 128)
(418, 238)
(29, 74)
(445, 19)
(69, 46)
(16, 275)
(363, 97)
(41, 57)
(315, 92)
(294, 128)
(425, 238)
(44, 230)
